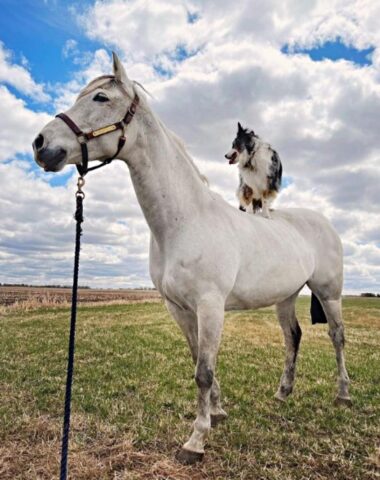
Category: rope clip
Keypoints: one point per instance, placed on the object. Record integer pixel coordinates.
(80, 184)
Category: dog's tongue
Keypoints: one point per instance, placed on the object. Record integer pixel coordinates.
(232, 159)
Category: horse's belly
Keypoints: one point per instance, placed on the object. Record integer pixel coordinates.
(265, 284)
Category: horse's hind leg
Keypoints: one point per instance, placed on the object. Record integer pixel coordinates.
(286, 315)
(333, 312)
(188, 323)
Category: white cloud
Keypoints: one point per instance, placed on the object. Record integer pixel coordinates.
(354, 21)
(18, 125)
(37, 230)
(143, 29)
(322, 117)
(70, 48)
(19, 77)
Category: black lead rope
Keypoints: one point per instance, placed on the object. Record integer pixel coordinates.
(83, 138)
(70, 362)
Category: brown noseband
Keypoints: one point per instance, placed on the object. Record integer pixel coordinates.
(84, 137)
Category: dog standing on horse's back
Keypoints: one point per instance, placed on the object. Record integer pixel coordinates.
(260, 170)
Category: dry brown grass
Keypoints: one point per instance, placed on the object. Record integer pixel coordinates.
(26, 299)
(33, 452)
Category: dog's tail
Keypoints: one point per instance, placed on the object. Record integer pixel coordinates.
(316, 311)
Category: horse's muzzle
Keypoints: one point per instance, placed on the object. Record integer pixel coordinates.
(50, 159)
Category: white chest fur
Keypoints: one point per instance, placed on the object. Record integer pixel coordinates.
(255, 172)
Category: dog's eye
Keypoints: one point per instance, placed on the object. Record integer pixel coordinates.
(101, 97)
(236, 146)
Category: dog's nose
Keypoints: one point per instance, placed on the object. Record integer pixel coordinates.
(38, 142)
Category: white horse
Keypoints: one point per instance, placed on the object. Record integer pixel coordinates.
(206, 256)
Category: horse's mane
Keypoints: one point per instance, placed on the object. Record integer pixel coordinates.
(103, 80)
(173, 137)
(181, 146)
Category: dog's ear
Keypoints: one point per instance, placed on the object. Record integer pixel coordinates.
(240, 128)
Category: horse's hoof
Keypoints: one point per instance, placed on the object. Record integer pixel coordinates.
(347, 402)
(280, 397)
(218, 418)
(187, 457)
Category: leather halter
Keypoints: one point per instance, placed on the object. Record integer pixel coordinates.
(84, 137)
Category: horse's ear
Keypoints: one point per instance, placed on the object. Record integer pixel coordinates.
(240, 128)
(118, 70)
(121, 75)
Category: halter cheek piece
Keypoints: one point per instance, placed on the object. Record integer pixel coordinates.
(84, 137)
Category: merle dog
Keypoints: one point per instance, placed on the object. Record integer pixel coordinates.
(260, 171)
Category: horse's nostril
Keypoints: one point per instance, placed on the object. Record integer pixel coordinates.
(38, 142)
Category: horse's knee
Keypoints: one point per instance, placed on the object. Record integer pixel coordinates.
(204, 375)
(337, 336)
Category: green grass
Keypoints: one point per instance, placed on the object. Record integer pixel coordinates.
(134, 396)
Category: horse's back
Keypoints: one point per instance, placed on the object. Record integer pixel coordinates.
(281, 254)
(327, 277)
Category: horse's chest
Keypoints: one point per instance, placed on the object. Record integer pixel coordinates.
(170, 275)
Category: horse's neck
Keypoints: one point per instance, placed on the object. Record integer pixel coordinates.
(168, 186)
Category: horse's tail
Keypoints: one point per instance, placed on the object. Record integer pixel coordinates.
(316, 311)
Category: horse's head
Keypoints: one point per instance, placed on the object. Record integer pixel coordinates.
(100, 114)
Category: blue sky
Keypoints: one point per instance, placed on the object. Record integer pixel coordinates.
(37, 31)
(334, 50)
(206, 71)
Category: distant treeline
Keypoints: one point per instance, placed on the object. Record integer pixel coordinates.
(69, 286)
(37, 286)
(368, 294)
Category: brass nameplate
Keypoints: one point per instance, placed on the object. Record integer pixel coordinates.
(103, 130)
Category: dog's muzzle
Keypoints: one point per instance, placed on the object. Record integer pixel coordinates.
(231, 156)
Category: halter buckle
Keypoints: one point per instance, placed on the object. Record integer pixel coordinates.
(82, 138)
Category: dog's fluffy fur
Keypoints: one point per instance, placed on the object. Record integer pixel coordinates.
(260, 171)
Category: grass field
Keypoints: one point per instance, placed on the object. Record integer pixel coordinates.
(134, 397)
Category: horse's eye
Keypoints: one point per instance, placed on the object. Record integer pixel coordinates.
(100, 97)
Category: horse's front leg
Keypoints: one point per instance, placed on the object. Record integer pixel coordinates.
(188, 322)
(210, 313)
